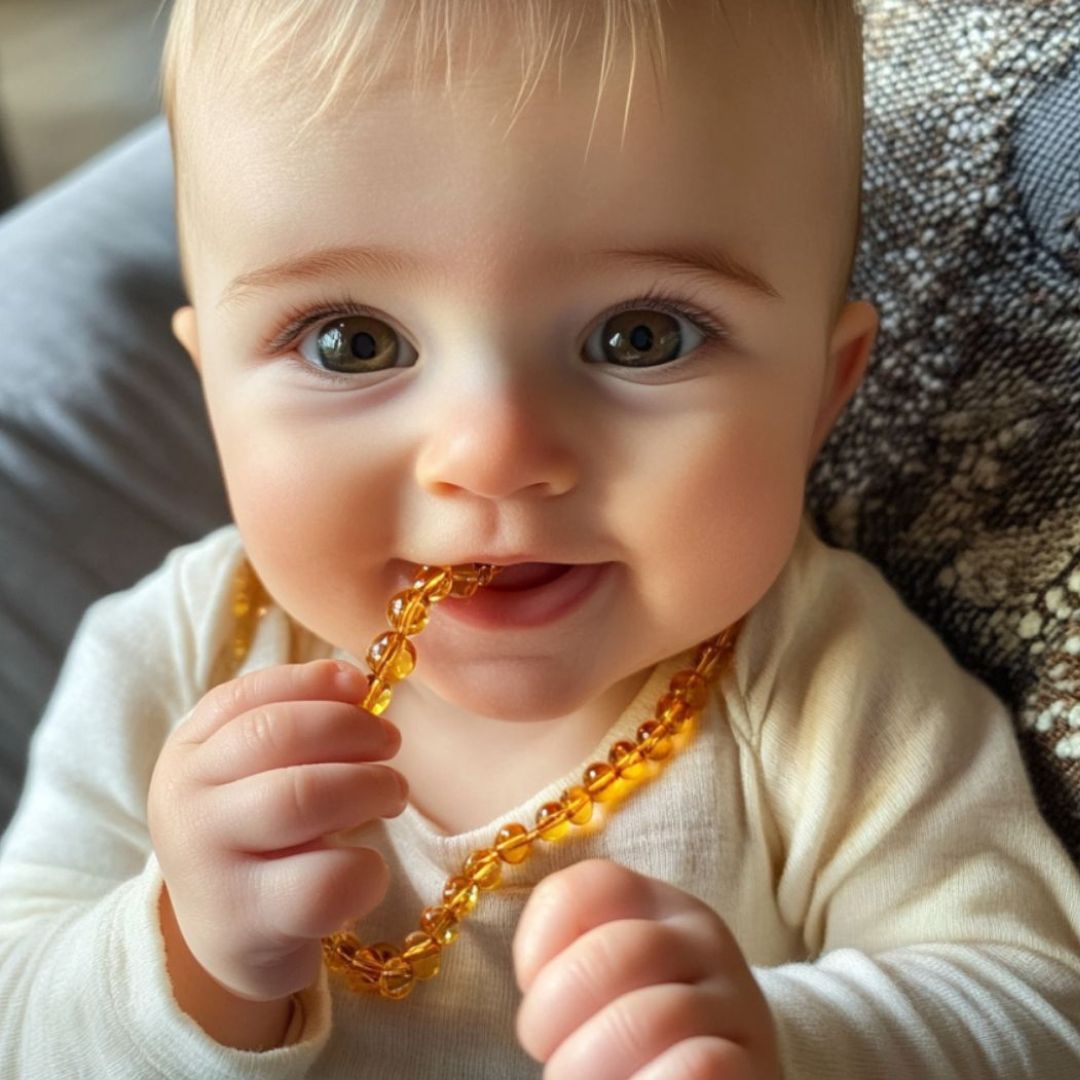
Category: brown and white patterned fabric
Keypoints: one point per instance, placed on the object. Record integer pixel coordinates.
(957, 467)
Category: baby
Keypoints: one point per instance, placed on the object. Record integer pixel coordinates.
(559, 287)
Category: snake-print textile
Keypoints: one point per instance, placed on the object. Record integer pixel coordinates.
(957, 467)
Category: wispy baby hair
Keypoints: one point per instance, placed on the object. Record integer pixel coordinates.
(353, 45)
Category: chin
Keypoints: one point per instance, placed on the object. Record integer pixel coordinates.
(517, 695)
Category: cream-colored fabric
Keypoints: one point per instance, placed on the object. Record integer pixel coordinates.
(852, 803)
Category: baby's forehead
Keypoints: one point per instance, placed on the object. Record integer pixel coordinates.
(512, 159)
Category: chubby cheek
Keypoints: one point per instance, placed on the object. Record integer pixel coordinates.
(318, 532)
(720, 519)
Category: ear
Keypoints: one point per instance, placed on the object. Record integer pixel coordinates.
(186, 331)
(849, 352)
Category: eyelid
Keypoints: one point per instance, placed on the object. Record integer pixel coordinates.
(301, 318)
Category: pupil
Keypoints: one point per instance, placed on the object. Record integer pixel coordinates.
(641, 338)
(363, 346)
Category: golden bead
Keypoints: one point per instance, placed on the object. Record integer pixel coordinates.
(392, 656)
(691, 687)
(484, 867)
(673, 712)
(340, 951)
(397, 979)
(466, 582)
(366, 966)
(439, 923)
(654, 740)
(486, 573)
(423, 953)
(513, 844)
(552, 819)
(435, 582)
(460, 895)
(599, 780)
(627, 760)
(578, 803)
(708, 656)
(408, 612)
(377, 697)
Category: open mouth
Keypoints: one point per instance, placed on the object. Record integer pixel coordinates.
(522, 576)
(526, 595)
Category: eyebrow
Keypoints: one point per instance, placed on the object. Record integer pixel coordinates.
(698, 260)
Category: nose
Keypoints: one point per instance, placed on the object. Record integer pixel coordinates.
(501, 440)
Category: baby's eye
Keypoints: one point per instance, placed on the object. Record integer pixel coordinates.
(640, 338)
(356, 345)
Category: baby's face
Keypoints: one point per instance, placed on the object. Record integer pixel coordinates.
(450, 377)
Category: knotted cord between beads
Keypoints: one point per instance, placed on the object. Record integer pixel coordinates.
(393, 971)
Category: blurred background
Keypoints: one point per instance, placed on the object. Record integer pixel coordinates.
(75, 75)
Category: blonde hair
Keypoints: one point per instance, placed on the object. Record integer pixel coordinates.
(351, 45)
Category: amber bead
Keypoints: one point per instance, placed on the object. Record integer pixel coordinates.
(423, 953)
(460, 894)
(578, 803)
(466, 582)
(513, 844)
(673, 711)
(397, 979)
(408, 611)
(708, 656)
(435, 582)
(484, 867)
(691, 687)
(392, 656)
(627, 760)
(439, 923)
(345, 954)
(486, 573)
(366, 967)
(600, 779)
(377, 698)
(654, 740)
(553, 821)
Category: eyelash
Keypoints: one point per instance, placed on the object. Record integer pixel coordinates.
(300, 319)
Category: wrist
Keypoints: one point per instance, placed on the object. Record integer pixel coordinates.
(227, 1018)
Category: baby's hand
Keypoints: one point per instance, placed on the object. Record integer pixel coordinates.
(244, 796)
(627, 976)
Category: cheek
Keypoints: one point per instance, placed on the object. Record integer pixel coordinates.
(719, 516)
(313, 504)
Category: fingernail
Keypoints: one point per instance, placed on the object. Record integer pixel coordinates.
(350, 681)
(391, 732)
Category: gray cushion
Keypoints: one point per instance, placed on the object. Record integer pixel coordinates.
(106, 459)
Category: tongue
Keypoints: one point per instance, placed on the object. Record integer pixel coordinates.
(527, 576)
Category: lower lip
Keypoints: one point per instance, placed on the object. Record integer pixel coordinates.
(509, 610)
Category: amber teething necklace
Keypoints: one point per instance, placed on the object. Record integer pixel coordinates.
(392, 971)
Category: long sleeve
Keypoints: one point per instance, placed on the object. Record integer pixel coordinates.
(939, 914)
(84, 990)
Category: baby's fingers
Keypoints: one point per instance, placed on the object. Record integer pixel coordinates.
(604, 964)
(293, 733)
(313, 893)
(286, 808)
(319, 680)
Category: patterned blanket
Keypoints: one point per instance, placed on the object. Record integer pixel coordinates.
(957, 467)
